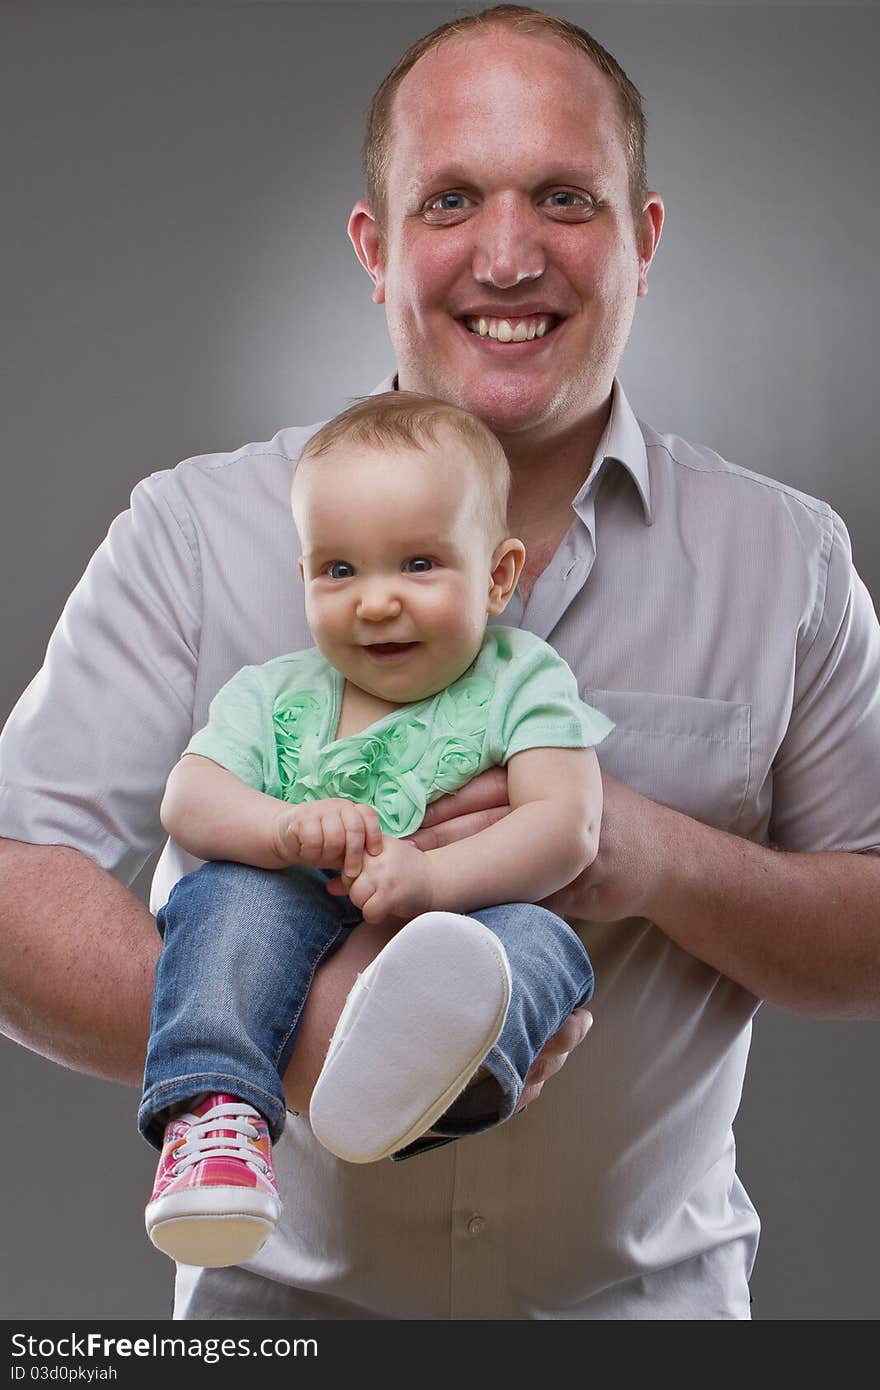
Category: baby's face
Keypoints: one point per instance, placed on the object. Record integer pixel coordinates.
(396, 564)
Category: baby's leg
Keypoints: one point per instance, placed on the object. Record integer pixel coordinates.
(414, 1029)
(240, 949)
(551, 974)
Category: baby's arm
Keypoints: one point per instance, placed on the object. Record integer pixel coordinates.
(214, 815)
(550, 836)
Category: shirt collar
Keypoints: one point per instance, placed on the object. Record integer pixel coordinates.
(622, 441)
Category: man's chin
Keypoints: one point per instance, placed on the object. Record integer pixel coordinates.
(503, 409)
(511, 412)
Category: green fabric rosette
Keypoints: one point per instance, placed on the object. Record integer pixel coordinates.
(418, 752)
(299, 716)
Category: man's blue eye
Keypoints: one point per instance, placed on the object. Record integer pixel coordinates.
(448, 202)
(340, 569)
(420, 565)
(568, 200)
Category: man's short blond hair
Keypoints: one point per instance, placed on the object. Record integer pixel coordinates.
(395, 419)
(518, 19)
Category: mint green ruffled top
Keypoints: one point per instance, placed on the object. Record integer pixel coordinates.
(273, 726)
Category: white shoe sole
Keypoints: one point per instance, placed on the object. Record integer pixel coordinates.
(213, 1227)
(415, 1027)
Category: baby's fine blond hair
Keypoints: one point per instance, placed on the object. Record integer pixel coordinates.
(406, 418)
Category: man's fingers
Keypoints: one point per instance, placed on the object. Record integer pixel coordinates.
(481, 793)
(529, 1093)
(554, 1054)
(573, 1031)
(447, 832)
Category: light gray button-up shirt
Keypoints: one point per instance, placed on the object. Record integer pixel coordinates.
(715, 616)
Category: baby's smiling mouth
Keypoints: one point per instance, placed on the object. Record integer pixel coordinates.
(389, 649)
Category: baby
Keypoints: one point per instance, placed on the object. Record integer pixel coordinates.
(317, 765)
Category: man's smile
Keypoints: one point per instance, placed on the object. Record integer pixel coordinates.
(512, 329)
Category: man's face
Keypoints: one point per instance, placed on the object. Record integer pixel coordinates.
(508, 203)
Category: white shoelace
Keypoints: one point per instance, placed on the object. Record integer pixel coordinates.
(234, 1115)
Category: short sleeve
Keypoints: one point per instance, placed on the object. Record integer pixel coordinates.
(239, 729)
(86, 751)
(541, 706)
(826, 773)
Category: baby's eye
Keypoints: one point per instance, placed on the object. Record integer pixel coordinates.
(340, 569)
(419, 564)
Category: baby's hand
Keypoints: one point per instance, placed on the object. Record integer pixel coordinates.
(328, 834)
(394, 883)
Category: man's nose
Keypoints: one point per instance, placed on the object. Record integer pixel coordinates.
(377, 601)
(508, 246)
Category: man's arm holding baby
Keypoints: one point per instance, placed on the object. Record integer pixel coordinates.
(797, 929)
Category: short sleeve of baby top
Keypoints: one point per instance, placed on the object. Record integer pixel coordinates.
(273, 726)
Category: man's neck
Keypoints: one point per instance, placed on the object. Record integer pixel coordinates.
(547, 474)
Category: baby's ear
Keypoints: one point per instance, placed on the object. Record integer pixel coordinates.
(507, 563)
(302, 573)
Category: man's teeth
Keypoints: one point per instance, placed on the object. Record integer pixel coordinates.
(520, 331)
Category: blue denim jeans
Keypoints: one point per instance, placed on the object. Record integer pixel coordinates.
(240, 950)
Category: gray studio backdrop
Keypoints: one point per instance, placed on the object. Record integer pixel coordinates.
(178, 280)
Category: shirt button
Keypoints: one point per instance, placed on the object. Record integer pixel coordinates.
(476, 1225)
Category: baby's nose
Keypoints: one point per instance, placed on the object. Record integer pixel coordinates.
(378, 601)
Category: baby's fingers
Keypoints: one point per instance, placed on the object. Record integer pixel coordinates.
(287, 842)
(372, 830)
(309, 833)
(355, 834)
(337, 887)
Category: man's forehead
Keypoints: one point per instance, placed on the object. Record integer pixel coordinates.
(475, 60)
(523, 82)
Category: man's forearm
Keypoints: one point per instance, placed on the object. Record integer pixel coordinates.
(77, 956)
(799, 930)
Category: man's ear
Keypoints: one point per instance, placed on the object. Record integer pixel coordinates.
(364, 235)
(507, 563)
(649, 229)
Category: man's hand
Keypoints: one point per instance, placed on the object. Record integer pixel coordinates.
(474, 807)
(554, 1055)
(625, 872)
(328, 834)
(393, 884)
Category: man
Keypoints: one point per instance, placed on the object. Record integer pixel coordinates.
(521, 202)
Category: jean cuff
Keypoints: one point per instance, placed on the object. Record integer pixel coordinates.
(152, 1117)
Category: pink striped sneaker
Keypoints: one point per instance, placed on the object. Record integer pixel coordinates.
(215, 1201)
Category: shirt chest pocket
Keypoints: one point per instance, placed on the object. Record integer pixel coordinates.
(688, 753)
